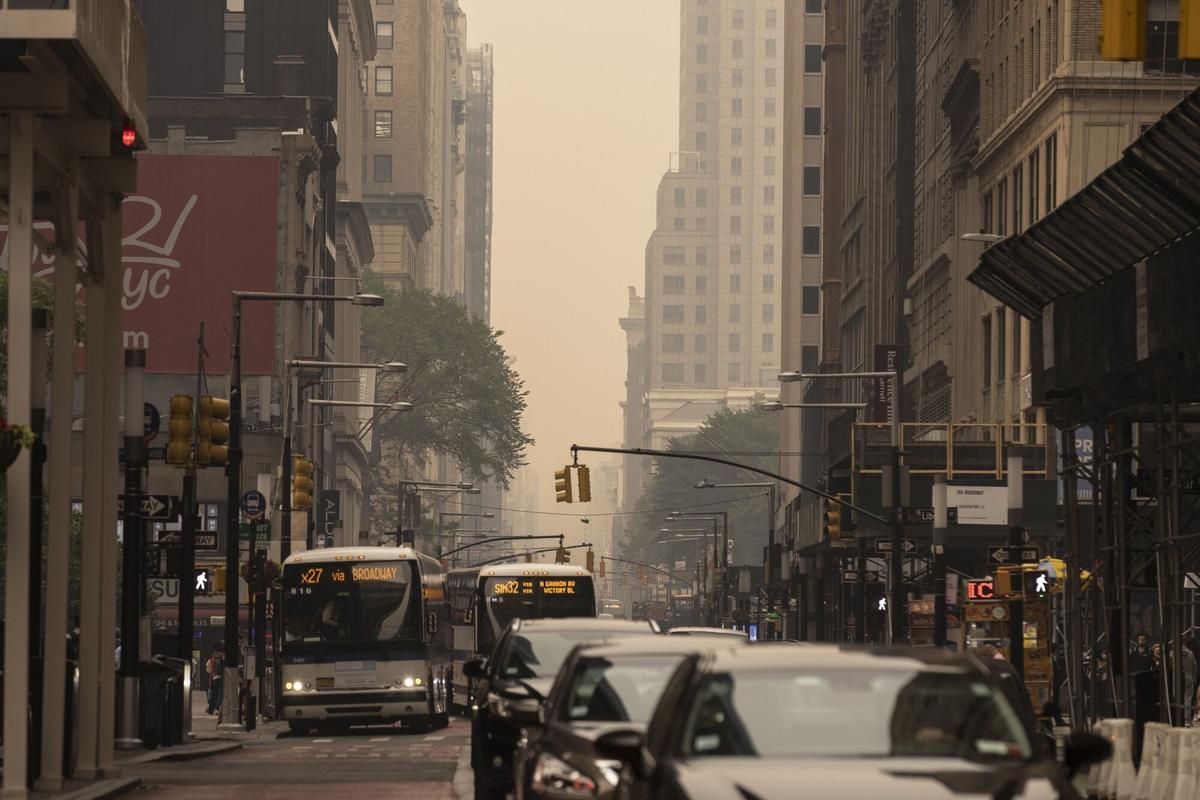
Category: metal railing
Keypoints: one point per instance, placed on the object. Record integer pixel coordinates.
(953, 449)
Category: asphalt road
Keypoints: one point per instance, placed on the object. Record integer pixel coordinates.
(370, 763)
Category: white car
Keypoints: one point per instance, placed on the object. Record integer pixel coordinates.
(706, 632)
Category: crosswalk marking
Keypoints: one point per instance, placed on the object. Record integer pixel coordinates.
(322, 741)
(382, 739)
(434, 738)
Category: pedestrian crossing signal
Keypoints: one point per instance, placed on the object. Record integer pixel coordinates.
(1038, 585)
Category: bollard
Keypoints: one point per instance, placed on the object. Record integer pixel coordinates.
(1151, 755)
(1096, 770)
(1187, 782)
(1123, 777)
(1104, 780)
(1170, 762)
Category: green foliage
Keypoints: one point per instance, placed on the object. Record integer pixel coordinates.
(467, 401)
(750, 436)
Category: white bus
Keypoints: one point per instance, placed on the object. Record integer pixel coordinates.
(485, 600)
(364, 638)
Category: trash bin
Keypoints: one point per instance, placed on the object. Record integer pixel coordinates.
(162, 702)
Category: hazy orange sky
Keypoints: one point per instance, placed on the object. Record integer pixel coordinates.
(586, 116)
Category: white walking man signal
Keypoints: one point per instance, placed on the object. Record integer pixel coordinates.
(202, 581)
(883, 604)
(1040, 587)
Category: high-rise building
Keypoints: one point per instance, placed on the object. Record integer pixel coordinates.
(713, 289)
(478, 208)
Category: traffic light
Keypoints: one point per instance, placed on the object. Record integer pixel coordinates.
(562, 485)
(1189, 28)
(1123, 30)
(1037, 584)
(562, 556)
(218, 429)
(602, 568)
(302, 483)
(179, 447)
(590, 561)
(218, 578)
(585, 484)
(832, 519)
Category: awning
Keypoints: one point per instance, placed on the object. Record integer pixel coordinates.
(1148, 199)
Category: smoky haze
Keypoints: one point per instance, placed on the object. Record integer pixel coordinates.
(586, 115)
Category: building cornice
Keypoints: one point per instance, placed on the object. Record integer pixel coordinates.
(413, 206)
(356, 226)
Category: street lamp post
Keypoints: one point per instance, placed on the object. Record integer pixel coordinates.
(707, 587)
(719, 559)
(462, 515)
(230, 707)
(404, 488)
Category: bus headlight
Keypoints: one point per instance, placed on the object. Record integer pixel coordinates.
(288, 686)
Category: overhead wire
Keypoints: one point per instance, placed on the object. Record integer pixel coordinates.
(721, 502)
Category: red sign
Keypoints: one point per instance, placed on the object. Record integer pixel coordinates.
(981, 590)
(199, 228)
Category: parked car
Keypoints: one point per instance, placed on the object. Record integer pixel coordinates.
(766, 722)
(689, 631)
(514, 682)
(600, 688)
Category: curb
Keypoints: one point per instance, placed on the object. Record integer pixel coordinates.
(464, 777)
(113, 787)
(185, 755)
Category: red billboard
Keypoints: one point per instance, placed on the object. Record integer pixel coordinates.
(199, 228)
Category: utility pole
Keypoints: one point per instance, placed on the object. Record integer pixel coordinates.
(230, 707)
(940, 523)
(1016, 538)
(131, 552)
(190, 527)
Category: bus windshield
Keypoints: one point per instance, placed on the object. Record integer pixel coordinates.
(534, 597)
(359, 603)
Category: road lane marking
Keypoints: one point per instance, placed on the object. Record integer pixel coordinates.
(433, 738)
(322, 741)
(382, 739)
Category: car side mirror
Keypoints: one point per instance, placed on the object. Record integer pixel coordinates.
(1084, 749)
(475, 668)
(625, 746)
(526, 713)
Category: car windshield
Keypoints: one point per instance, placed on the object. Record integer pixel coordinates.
(854, 713)
(539, 654)
(623, 691)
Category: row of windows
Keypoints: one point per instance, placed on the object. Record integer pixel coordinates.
(770, 17)
(1026, 194)
(810, 304)
(735, 194)
(737, 49)
(1001, 333)
(676, 284)
(674, 373)
(676, 255)
(737, 79)
(675, 313)
(675, 342)
(736, 109)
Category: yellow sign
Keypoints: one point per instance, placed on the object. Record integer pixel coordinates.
(526, 586)
(380, 573)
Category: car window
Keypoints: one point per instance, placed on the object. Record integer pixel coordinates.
(539, 654)
(625, 690)
(854, 713)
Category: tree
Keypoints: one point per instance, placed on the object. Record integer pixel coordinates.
(749, 436)
(467, 400)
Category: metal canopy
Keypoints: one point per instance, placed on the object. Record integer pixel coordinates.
(1148, 199)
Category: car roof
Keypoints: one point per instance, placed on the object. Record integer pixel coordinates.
(789, 656)
(686, 630)
(658, 645)
(584, 624)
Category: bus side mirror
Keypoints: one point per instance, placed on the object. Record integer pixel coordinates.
(475, 668)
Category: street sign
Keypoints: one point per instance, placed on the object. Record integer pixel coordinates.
(155, 506)
(254, 504)
(260, 530)
(331, 513)
(885, 546)
(152, 421)
(202, 581)
(981, 590)
(163, 588)
(999, 554)
(206, 540)
(152, 454)
(851, 576)
(919, 516)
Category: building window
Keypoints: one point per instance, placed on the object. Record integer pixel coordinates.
(769, 223)
(701, 82)
(701, 284)
(1162, 41)
(811, 241)
(382, 172)
(1034, 186)
(769, 136)
(701, 343)
(986, 213)
(769, 165)
(1001, 344)
(768, 283)
(735, 343)
(680, 224)
(383, 124)
(772, 48)
(701, 54)
(735, 313)
(735, 255)
(735, 282)
(735, 195)
(701, 315)
(768, 312)
(812, 6)
(701, 140)
(701, 225)
(809, 358)
(383, 2)
(812, 120)
(768, 256)
(735, 224)
(738, 48)
(812, 180)
(673, 284)
(235, 57)
(769, 78)
(1051, 193)
(700, 377)
(701, 255)
(739, 19)
(701, 198)
(1002, 208)
(735, 79)
(383, 35)
(701, 112)
(735, 137)
(812, 59)
(735, 371)
(383, 81)
(772, 19)
(672, 313)
(674, 255)
(769, 106)
(810, 300)
(672, 373)
(735, 165)
(680, 198)
(735, 106)
(701, 25)
(672, 342)
(769, 195)
(1018, 200)
(768, 343)
(987, 351)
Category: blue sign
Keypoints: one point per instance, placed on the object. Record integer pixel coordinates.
(753, 632)
(152, 422)
(254, 504)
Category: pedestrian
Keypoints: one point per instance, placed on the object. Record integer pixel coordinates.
(1189, 681)
(1155, 656)
(214, 668)
(1140, 658)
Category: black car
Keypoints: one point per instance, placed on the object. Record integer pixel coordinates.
(515, 681)
(600, 688)
(768, 722)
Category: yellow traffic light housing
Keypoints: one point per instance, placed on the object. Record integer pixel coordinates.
(562, 485)
(585, 484)
(832, 519)
(218, 429)
(562, 555)
(179, 447)
(218, 580)
(1189, 29)
(1123, 30)
(602, 568)
(590, 561)
(302, 483)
